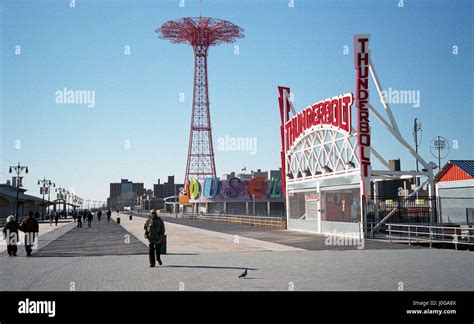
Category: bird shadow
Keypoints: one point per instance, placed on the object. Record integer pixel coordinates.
(207, 267)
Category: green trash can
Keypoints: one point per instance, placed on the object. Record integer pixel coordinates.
(130, 217)
(118, 220)
(163, 245)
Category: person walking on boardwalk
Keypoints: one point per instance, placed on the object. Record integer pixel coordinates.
(11, 235)
(79, 220)
(30, 227)
(89, 218)
(109, 213)
(56, 218)
(99, 215)
(154, 231)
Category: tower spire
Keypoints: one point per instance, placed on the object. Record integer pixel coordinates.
(200, 33)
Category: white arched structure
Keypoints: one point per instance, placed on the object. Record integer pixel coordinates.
(320, 149)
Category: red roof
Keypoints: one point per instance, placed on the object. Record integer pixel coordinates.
(456, 170)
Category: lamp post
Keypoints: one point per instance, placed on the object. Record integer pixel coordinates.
(18, 169)
(49, 191)
(68, 196)
(77, 202)
(62, 194)
(58, 196)
(44, 184)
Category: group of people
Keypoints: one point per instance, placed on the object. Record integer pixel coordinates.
(87, 215)
(29, 226)
(54, 216)
(154, 232)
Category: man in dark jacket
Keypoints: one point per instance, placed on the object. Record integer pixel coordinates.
(30, 227)
(154, 231)
(11, 235)
(89, 218)
(109, 213)
(56, 219)
(99, 215)
(79, 219)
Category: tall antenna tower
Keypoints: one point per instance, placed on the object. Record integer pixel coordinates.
(200, 33)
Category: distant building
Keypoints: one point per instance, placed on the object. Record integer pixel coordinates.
(26, 202)
(125, 194)
(244, 176)
(228, 176)
(149, 201)
(271, 174)
(167, 189)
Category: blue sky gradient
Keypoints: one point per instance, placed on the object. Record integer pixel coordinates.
(137, 95)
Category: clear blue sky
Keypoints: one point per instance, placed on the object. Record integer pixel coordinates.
(137, 96)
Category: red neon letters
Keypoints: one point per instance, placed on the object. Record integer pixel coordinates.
(335, 111)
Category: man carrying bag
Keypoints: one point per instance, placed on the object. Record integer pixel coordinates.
(154, 233)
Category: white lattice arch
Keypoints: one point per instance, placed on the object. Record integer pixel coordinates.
(320, 146)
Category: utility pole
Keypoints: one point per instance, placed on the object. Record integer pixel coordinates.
(417, 129)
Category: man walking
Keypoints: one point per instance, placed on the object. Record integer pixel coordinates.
(79, 220)
(99, 215)
(89, 218)
(30, 227)
(56, 219)
(109, 213)
(154, 231)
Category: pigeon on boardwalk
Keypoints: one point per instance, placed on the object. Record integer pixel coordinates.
(243, 275)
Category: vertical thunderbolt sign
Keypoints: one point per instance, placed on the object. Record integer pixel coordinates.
(361, 64)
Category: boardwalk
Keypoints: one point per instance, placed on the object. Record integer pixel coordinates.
(113, 257)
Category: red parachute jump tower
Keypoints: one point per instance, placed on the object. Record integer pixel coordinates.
(200, 33)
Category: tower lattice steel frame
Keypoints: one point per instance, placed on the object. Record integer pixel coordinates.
(200, 33)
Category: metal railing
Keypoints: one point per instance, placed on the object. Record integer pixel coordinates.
(400, 209)
(430, 234)
(260, 221)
